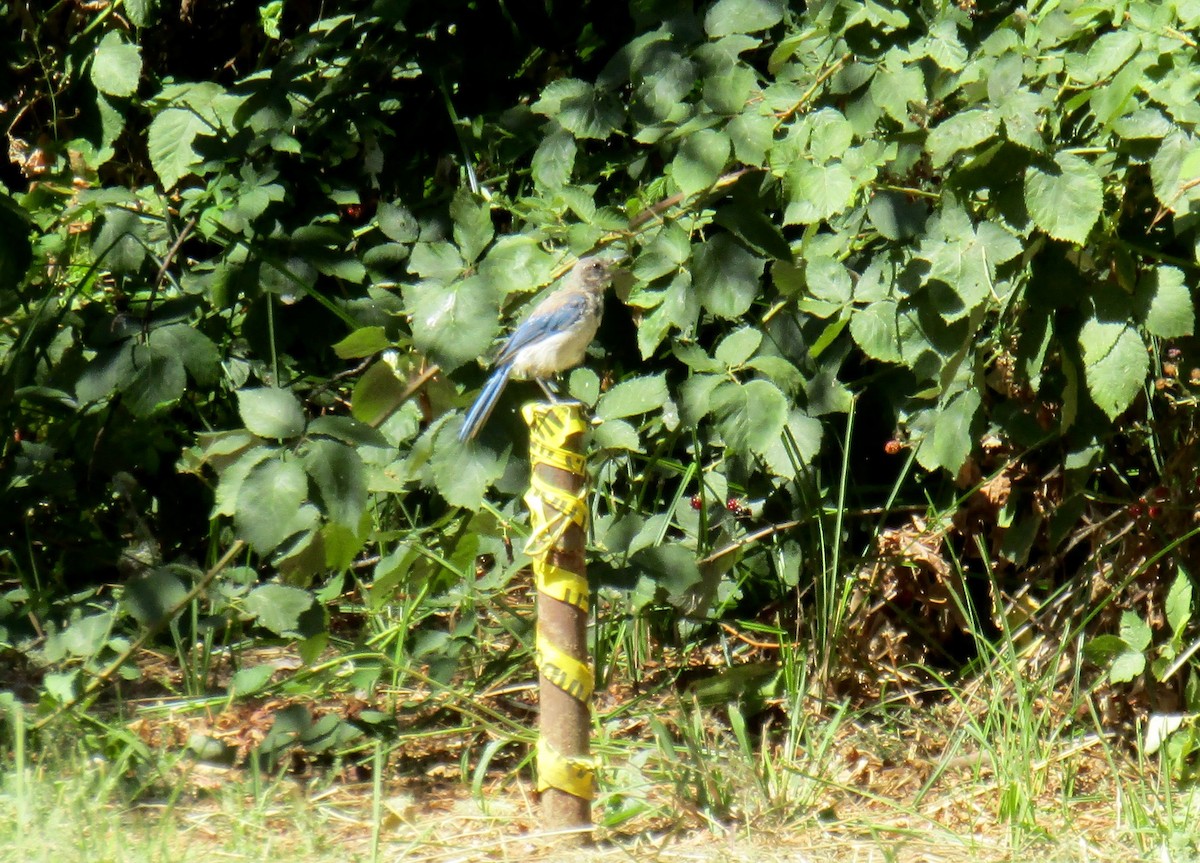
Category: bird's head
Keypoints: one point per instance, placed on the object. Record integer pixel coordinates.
(594, 274)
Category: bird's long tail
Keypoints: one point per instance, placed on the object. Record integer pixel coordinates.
(484, 402)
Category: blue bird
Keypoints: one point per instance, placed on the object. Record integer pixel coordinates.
(553, 338)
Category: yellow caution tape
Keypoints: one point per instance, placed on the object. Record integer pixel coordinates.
(561, 584)
(551, 424)
(567, 673)
(555, 457)
(551, 511)
(576, 776)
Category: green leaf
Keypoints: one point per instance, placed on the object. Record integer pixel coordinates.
(637, 396)
(679, 309)
(948, 439)
(961, 131)
(1103, 648)
(233, 475)
(876, 331)
(780, 372)
(517, 263)
(965, 260)
(751, 135)
(347, 430)
(1166, 303)
(271, 504)
(116, 65)
(463, 472)
(738, 346)
(141, 12)
(1115, 364)
(830, 135)
(1178, 605)
(1175, 172)
(377, 394)
(727, 277)
(472, 224)
(580, 108)
(397, 223)
(750, 416)
(554, 160)
(758, 231)
(944, 47)
(666, 253)
(363, 342)
(169, 144)
(817, 192)
(1106, 55)
(455, 324)
(1064, 199)
(828, 280)
(700, 160)
(1134, 631)
(120, 244)
(61, 686)
(279, 607)
(616, 434)
(726, 93)
(897, 86)
(191, 347)
(247, 681)
(671, 567)
(149, 597)
(438, 261)
(338, 473)
(797, 447)
(158, 379)
(584, 385)
(271, 412)
(1126, 666)
(895, 216)
(695, 357)
(742, 16)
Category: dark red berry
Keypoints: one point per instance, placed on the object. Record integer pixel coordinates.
(733, 505)
(892, 447)
(1154, 511)
(697, 502)
(1136, 510)
(1161, 493)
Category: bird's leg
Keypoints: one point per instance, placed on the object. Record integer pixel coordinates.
(547, 389)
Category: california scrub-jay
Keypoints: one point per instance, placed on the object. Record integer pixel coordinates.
(552, 339)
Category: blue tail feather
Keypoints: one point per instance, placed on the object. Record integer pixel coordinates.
(485, 402)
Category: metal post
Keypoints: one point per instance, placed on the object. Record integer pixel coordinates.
(558, 515)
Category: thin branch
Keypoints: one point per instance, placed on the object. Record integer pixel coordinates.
(678, 198)
(763, 533)
(167, 260)
(816, 85)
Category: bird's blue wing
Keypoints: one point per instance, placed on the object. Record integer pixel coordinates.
(543, 323)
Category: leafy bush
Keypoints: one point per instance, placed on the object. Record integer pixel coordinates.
(965, 231)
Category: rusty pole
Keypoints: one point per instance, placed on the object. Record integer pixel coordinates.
(557, 501)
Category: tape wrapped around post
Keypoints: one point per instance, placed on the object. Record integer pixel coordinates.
(555, 431)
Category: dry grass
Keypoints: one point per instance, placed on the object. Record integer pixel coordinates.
(1088, 805)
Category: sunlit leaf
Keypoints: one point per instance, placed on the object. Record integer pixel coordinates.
(271, 412)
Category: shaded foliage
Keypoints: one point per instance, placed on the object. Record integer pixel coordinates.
(882, 256)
